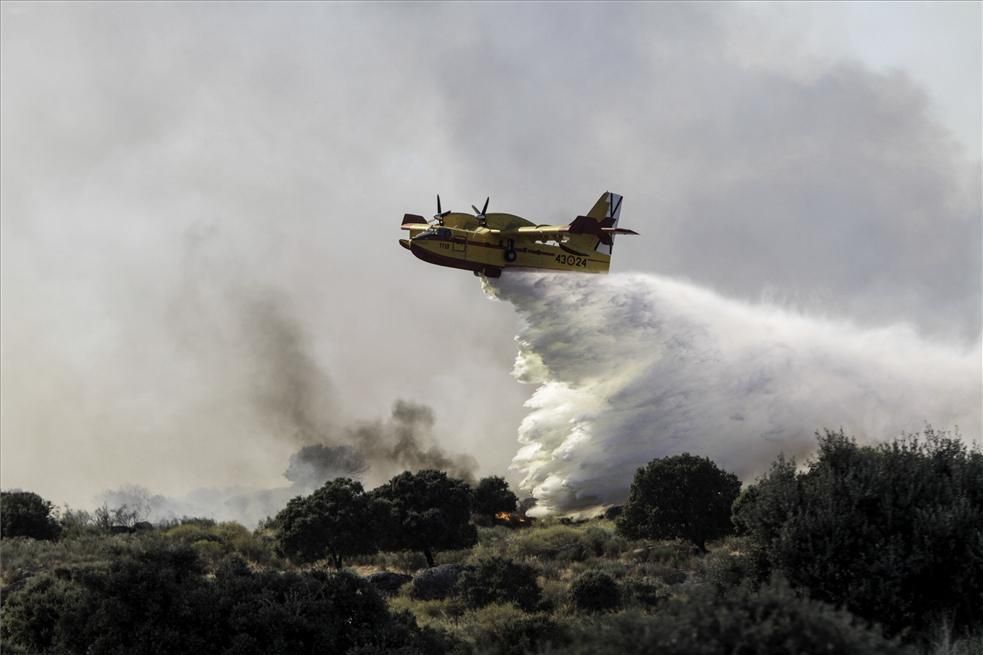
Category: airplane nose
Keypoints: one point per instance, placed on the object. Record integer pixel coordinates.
(405, 243)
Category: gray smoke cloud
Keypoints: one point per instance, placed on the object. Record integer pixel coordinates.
(294, 397)
(633, 367)
(376, 450)
(369, 451)
(253, 346)
(312, 465)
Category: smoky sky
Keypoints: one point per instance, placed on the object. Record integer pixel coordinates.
(183, 186)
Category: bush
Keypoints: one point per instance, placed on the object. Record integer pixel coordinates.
(436, 583)
(594, 591)
(558, 543)
(158, 600)
(214, 541)
(773, 620)
(728, 568)
(33, 615)
(499, 580)
(646, 591)
(683, 497)
(892, 532)
(506, 630)
(387, 582)
(26, 514)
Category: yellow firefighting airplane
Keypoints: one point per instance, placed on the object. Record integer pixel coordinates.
(487, 243)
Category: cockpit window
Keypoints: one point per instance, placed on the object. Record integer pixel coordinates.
(435, 233)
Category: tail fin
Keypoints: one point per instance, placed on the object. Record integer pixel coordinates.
(604, 214)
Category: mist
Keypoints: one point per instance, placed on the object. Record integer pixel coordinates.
(630, 367)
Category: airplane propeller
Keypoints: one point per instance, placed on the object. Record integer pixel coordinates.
(439, 216)
(480, 215)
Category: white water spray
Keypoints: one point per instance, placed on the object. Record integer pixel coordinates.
(633, 367)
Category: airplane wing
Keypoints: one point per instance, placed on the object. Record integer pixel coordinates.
(551, 230)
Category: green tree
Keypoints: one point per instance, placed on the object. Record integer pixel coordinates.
(336, 521)
(426, 511)
(682, 496)
(492, 495)
(891, 531)
(26, 514)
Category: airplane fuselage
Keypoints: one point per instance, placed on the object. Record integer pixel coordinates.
(481, 250)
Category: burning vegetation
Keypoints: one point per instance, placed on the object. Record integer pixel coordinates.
(513, 520)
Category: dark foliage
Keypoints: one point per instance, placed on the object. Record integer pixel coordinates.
(683, 497)
(436, 583)
(492, 495)
(26, 514)
(613, 512)
(595, 591)
(891, 532)
(520, 635)
(337, 521)
(500, 580)
(426, 511)
(158, 601)
(388, 582)
(737, 622)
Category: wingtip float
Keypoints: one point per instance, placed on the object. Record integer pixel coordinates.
(489, 243)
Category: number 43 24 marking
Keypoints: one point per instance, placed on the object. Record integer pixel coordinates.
(572, 260)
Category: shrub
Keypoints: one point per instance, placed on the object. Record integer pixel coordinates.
(506, 630)
(436, 583)
(684, 497)
(559, 543)
(387, 582)
(772, 620)
(34, 615)
(158, 600)
(726, 568)
(594, 591)
(216, 541)
(646, 591)
(891, 531)
(499, 580)
(26, 514)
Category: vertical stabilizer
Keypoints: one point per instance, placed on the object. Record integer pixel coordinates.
(606, 211)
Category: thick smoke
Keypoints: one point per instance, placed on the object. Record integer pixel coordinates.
(250, 342)
(294, 397)
(312, 465)
(632, 367)
(375, 450)
(369, 451)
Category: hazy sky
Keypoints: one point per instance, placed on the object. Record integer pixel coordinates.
(200, 204)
